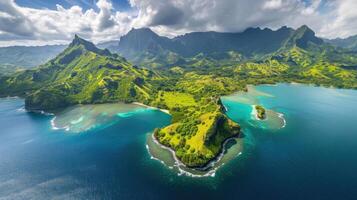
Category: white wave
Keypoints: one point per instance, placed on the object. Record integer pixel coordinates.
(12, 97)
(54, 127)
(281, 115)
(153, 157)
(254, 113)
(22, 109)
(180, 166)
(77, 121)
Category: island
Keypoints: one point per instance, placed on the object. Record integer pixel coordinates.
(189, 90)
(260, 112)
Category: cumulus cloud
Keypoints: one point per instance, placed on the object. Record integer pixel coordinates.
(12, 20)
(333, 18)
(60, 24)
(104, 19)
(341, 20)
(218, 15)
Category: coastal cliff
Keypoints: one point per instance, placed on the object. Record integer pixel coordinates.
(199, 142)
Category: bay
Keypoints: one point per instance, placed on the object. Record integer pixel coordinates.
(309, 155)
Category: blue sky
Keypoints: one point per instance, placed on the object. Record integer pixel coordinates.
(85, 4)
(39, 22)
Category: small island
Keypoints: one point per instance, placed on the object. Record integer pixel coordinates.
(260, 112)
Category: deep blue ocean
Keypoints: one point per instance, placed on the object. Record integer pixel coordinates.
(313, 157)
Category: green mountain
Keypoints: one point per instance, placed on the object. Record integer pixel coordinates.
(22, 57)
(185, 75)
(82, 73)
(205, 49)
(283, 53)
(348, 43)
(251, 41)
(302, 37)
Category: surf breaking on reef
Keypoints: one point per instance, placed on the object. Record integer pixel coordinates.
(180, 166)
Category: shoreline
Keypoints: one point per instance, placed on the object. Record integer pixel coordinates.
(54, 127)
(151, 107)
(179, 164)
(280, 115)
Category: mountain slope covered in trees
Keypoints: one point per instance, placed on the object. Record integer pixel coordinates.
(348, 43)
(185, 75)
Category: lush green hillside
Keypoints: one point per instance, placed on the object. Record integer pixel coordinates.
(349, 43)
(250, 43)
(199, 125)
(27, 57)
(82, 73)
(189, 87)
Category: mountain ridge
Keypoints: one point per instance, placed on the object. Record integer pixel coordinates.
(190, 89)
(79, 74)
(139, 45)
(348, 43)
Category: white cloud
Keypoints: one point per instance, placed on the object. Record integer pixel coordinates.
(341, 21)
(218, 15)
(41, 25)
(104, 19)
(12, 20)
(273, 4)
(333, 18)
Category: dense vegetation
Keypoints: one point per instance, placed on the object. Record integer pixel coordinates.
(80, 74)
(348, 43)
(260, 111)
(188, 85)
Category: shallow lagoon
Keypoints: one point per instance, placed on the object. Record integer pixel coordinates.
(312, 157)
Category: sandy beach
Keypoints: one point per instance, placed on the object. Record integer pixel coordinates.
(146, 106)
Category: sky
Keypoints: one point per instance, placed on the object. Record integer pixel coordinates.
(41, 22)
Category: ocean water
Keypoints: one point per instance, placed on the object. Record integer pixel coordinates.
(306, 149)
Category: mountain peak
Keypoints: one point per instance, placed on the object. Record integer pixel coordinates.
(303, 37)
(140, 40)
(80, 41)
(305, 29)
(285, 28)
(252, 30)
(144, 29)
(142, 32)
(89, 46)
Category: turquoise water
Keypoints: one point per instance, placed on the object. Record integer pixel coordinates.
(312, 157)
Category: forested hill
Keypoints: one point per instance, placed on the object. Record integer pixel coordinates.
(82, 73)
(252, 42)
(189, 87)
(348, 43)
(85, 74)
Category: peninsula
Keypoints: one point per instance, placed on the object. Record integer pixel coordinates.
(188, 86)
